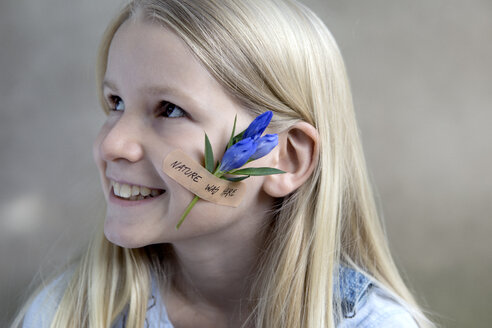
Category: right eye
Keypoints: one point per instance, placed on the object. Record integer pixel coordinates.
(116, 103)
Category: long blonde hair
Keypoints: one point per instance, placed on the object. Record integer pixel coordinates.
(269, 55)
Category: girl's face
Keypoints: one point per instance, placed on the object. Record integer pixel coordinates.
(160, 99)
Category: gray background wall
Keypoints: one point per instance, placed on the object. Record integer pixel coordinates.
(422, 79)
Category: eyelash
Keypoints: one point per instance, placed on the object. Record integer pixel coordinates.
(165, 108)
(113, 103)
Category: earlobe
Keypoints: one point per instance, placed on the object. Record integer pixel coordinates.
(297, 154)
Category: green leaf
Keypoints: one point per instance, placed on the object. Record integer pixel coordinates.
(235, 179)
(209, 155)
(256, 171)
(231, 139)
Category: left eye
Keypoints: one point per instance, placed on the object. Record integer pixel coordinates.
(171, 110)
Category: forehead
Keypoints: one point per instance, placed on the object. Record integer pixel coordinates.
(147, 53)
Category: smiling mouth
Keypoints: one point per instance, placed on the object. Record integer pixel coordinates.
(134, 192)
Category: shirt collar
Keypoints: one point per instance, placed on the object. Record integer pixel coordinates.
(353, 287)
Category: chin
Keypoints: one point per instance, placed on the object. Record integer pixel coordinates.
(123, 237)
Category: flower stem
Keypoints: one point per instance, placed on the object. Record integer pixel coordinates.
(188, 209)
(217, 173)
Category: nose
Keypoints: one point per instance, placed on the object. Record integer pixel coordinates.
(123, 140)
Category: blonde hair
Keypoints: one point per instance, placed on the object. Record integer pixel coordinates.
(269, 55)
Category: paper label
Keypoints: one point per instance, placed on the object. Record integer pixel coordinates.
(195, 178)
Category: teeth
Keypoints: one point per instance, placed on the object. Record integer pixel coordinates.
(144, 191)
(132, 192)
(125, 191)
(116, 188)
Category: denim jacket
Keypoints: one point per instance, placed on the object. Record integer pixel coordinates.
(363, 305)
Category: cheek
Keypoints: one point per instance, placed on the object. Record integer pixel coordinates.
(254, 207)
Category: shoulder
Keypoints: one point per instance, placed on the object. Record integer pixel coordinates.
(41, 311)
(366, 305)
(379, 309)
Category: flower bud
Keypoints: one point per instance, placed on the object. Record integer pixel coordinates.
(237, 155)
(258, 126)
(264, 145)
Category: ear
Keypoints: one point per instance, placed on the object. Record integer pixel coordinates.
(297, 154)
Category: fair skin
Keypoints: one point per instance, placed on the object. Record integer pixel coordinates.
(161, 98)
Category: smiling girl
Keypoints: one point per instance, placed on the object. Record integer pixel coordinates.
(303, 249)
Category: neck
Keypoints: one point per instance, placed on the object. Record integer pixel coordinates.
(215, 270)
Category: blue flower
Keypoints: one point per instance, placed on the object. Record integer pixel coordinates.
(237, 155)
(258, 126)
(264, 145)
